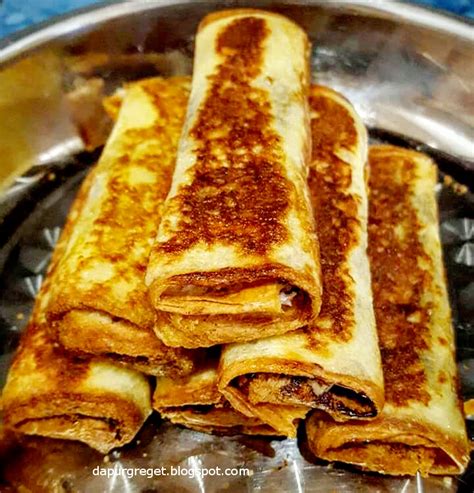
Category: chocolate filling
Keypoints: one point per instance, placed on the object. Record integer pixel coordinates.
(195, 408)
(292, 390)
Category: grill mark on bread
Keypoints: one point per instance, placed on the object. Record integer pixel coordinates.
(136, 230)
(239, 194)
(141, 198)
(336, 215)
(401, 274)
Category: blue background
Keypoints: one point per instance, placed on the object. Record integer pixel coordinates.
(18, 14)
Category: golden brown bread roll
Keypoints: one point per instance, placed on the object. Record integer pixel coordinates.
(421, 427)
(99, 301)
(236, 257)
(55, 394)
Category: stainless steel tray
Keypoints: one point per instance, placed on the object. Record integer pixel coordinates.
(410, 73)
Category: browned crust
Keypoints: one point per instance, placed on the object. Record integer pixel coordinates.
(336, 212)
(245, 204)
(278, 366)
(218, 420)
(266, 272)
(195, 402)
(181, 395)
(169, 99)
(122, 417)
(98, 299)
(124, 342)
(403, 318)
(40, 359)
(404, 270)
(103, 420)
(229, 13)
(197, 389)
(393, 151)
(112, 105)
(61, 376)
(127, 335)
(327, 440)
(37, 349)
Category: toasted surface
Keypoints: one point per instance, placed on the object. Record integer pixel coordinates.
(238, 216)
(195, 402)
(395, 445)
(334, 363)
(52, 393)
(282, 418)
(421, 427)
(213, 419)
(99, 301)
(86, 331)
(199, 388)
(468, 407)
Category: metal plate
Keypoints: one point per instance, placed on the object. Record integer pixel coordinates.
(409, 72)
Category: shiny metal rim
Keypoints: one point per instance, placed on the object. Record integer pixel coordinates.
(88, 17)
